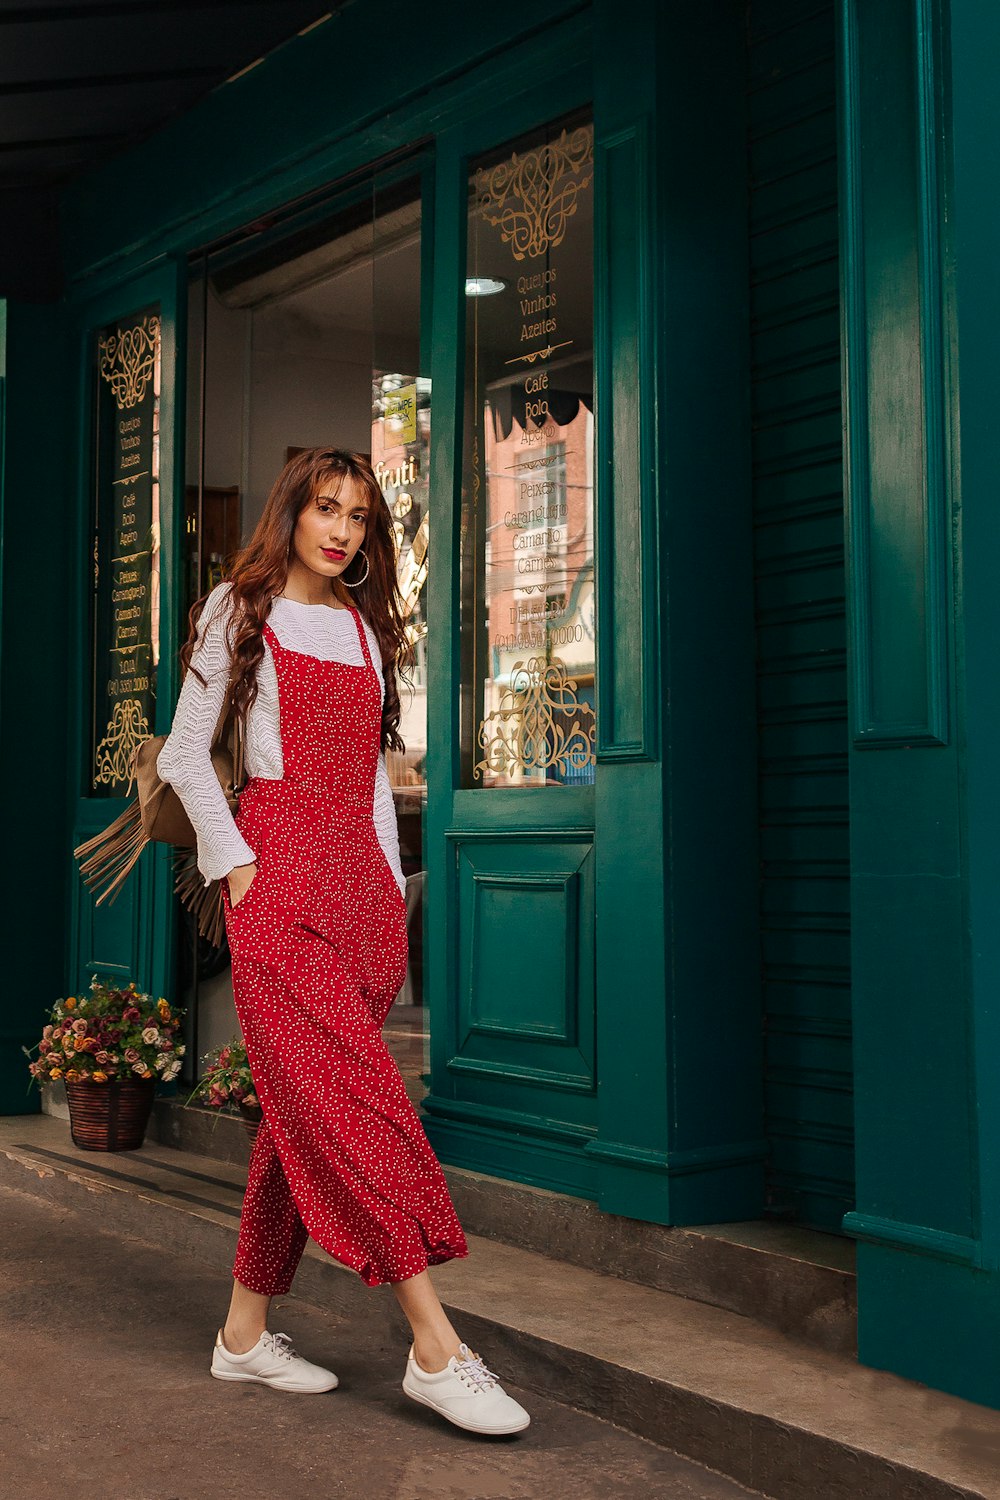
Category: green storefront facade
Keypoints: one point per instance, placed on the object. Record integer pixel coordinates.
(745, 965)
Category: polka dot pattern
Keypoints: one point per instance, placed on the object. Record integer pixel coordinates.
(319, 950)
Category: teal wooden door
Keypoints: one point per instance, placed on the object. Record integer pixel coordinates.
(511, 763)
(800, 605)
(128, 508)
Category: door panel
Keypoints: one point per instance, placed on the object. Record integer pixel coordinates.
(512, 649)
(524, 914)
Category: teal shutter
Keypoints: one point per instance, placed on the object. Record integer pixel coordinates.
(801, 627)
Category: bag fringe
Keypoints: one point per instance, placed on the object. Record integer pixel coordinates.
(109, 857)
(204, 902)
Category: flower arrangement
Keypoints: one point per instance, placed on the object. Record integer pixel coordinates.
(227, 1079)
(108, 1036)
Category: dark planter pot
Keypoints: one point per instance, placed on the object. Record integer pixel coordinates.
(251, 1114)
(110, 1116)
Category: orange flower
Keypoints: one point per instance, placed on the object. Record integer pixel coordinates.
(79, 1043)
(100, 1077)
(72, 1075)
(70, 1003)
(56, 1073)
(147, 1074)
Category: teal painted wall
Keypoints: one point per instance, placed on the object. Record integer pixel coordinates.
(799, 545)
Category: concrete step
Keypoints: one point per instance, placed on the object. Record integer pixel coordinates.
(793, 1422)
(796, 1280)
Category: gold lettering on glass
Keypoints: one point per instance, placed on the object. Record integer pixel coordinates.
(538, 723)
(532, 196)
(127, 360)
(126, 730)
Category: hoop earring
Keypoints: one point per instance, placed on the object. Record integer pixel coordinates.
(364, 574)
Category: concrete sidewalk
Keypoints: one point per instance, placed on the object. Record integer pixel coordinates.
(106, 1393)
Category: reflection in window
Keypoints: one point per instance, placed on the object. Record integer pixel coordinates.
(401, 431)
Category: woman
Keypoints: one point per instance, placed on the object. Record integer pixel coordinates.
(316, 921)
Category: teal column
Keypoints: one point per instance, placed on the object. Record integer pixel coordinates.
(679, 1041)
(919, 131)
(37, 527)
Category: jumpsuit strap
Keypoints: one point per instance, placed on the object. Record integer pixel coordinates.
(364, 637)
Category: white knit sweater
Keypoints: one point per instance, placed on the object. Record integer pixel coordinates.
(185, 761)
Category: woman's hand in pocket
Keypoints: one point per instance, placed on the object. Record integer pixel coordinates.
(240, 879)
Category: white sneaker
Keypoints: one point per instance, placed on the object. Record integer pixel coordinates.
(465, 1392)
(272, 1361)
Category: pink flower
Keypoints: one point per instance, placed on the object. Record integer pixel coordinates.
(131, 1055)
(80, 1026)
(47, 1031)
(139, 1067)
(102, 1057)
(44, 1046)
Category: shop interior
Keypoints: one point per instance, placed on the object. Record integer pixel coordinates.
(306, 332)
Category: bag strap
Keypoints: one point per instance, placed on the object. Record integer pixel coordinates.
(230, 727)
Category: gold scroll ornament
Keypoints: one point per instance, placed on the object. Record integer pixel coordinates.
(127, 729)
(538, 723)
(128, 358)
(532, 197)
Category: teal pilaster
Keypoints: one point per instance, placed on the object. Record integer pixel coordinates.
(919, 260)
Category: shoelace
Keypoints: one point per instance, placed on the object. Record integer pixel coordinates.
(473, 1368)
(281, 1346)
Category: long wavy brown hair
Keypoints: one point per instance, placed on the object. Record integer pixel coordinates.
(259, 571)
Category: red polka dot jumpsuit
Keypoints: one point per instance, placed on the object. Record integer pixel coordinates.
(319, 951)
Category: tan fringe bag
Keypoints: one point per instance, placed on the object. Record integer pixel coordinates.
(156, 813)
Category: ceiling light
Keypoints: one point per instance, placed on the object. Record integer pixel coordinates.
(483, 286)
